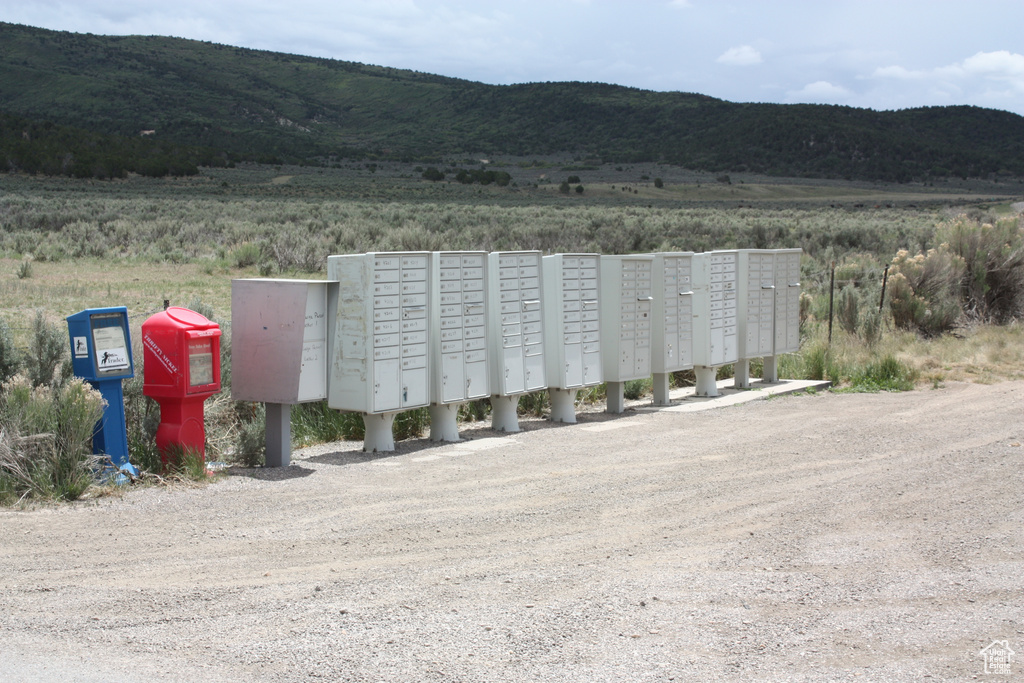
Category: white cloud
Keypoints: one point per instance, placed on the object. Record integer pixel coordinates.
(680, 3)
(744, 55)
(819, 92)
(993, 79)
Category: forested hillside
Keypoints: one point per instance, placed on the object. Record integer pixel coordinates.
(212, 103)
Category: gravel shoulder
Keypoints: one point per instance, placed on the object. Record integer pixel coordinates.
(802, 538)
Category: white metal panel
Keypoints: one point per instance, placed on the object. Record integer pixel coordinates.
(756, 302)
(787, 301)
(460, 315)
(379, 360)
(672, 319)
(714, 319)
(515, 322)
(571, 298)
(625, 316)
(279, 341)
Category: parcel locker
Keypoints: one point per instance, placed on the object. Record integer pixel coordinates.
(458, 345)
(572, 338)
(627, 303)
(379, 360)
(515, 332)
(672, 324)
(714, 316)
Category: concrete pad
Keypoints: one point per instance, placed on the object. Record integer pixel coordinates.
(685, 402)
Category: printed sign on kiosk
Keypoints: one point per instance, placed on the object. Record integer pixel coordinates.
(101, 354)
(181, 355)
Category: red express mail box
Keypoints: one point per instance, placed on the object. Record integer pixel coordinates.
(181, 354)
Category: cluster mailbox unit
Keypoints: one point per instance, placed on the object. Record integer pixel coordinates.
(756, 309)
(672, 326)
(459, 313)
(572, 329)
(279, 350)
(626, 314)
(714, 316)
(787, 309)
(769, 309)
(516, 333)
(395, 331)
(379, 361)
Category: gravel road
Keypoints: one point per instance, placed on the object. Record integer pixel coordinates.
(803, 538)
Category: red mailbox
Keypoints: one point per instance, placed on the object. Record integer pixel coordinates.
(181, 368)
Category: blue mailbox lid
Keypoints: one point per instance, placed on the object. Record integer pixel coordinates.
(101, 343)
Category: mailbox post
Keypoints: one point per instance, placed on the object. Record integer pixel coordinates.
(101, 354)
(181, 356)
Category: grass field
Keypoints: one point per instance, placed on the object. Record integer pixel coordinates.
(68, 245)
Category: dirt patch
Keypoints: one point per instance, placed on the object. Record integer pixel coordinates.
(814, 537)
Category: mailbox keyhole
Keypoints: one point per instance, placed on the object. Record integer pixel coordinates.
(405, 394)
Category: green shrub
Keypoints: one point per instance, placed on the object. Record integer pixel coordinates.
(474, 411)
(316, 423)
(848, 309)
(46, 439)
(25, 269)
(992, 285)
(923, 291)
(251, 440)
(884, 374)
(411, 424)
(185, 463)
(536, 403)
(247, 254)
(10, 356)
(637, 388)
(48, 360)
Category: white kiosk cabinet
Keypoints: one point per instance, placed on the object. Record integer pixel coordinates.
(672, 324)
(515, 333)
(787, 309)
(460, 340)
(756, 309)
(279, 351)
(379, 362)
(626, 313)
(714, 316)
(572, 329)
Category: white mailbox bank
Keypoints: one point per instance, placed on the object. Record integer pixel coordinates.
(572, 329)
(515, 333)
(714, 317)
(756, 309)
(769, 303)
(672, 324)
(379, 363)
(279, 340)
(626, 315)
(460, 338)
(787, 309)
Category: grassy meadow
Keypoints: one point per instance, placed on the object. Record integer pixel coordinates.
(68, 245)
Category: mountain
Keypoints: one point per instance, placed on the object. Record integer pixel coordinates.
(266, 106)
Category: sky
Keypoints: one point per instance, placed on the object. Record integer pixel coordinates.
(883, 55)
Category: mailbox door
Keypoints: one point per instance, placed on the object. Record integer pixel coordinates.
(453, 377)
(202, 361)
(387, 385)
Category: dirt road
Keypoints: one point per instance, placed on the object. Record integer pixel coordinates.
(804, 538)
